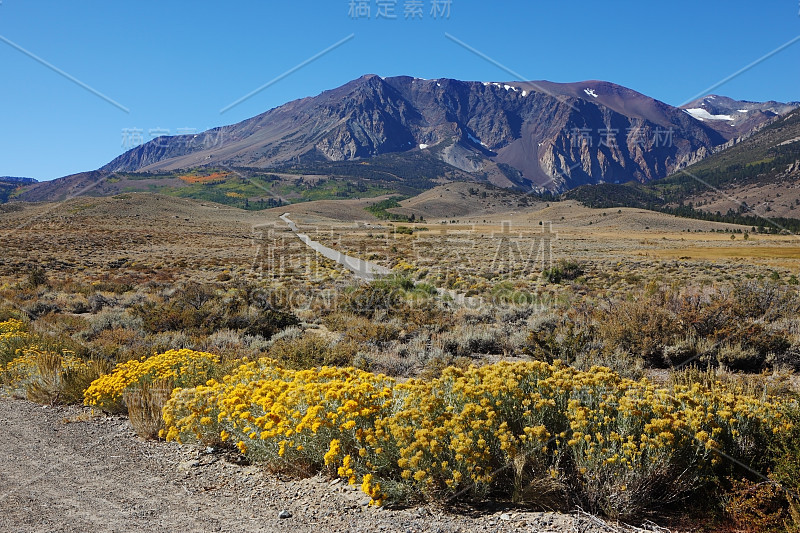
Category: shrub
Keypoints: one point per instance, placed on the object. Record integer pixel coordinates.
(97, 302)
(110, 320)
(37, 276)
(368, 300)
(785, 450)
(49, 377)
(553, 337)
(145, 403)
(613, 445)
(759, 506)
(288, 419)
(394, 296)
(643, 328)
(13, 337)
(764, 300)
(505, 293)
(738, 357)
(437, 361)
(311, 350)
(41, 308)
(563, 271)
(12, 325)
(396, 360)
(361, 330)
(200, 310)
(182, 368)
(466, 341)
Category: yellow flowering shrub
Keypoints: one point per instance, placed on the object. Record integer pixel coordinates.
(33, 368)
(46, 376)
(291, 419)
(11, 325)
(619, 446)
(23, 370)
(460, 432)
(14, 337)
(180, 368)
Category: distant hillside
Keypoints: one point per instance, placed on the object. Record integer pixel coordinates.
(734, 117)
(771, 155)
(9, 185)
(374, 136)
(754, 180)
(255, 189)
(456, 200)
(546, 135)
(13, 179)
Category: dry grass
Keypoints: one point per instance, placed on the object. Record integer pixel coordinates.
(56, 383)
(145, 404)
(731, 252)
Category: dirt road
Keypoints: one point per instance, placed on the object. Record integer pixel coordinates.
(362, 269)
(367, 270)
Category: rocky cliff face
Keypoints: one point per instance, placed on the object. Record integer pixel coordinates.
(551, 136)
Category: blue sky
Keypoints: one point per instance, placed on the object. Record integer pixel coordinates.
(175, 64)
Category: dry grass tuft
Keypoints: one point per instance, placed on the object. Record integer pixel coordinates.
(59, 380)
(145, 403)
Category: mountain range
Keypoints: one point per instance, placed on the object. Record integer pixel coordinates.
(757, 178)
(534, 135)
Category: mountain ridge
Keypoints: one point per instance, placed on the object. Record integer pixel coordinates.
(537, 136)
(538, 128)
(755, 182)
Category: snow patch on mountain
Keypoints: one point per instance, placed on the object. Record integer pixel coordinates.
(702, 114)
(475, 139)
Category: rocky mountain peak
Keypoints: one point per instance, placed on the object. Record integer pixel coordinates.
(537, 134)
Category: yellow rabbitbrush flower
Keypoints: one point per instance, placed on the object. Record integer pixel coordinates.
(45, 376)
(25, 366)
(459, 433)
(14, 341)
(181, 368)
(12, 325)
